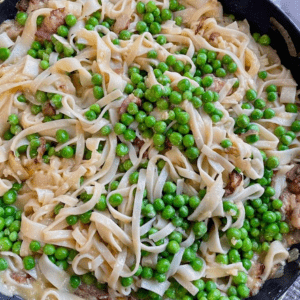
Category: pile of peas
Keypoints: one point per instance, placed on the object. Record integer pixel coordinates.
(89, 279)
(263, 218)
(263, 40)
(153, 17)
(35, 141)
(60, 256)
(21, 19)
(175, 208)
(14, 128)
(94, 20)
(165, 98)
(43, 99)
(286, 137)
(94, 110)
(44, 49)
(263, 224)
(10, 224)
(260, 111)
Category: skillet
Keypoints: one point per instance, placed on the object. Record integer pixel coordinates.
(258, 13)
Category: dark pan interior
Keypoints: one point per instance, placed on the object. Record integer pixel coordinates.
(258, 13)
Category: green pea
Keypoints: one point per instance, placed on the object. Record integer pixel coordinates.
(226, 143)
(3, 264)
(243, 121)
(264, 40)
(115, 199)
(72, 219)
(222, 259)
(147, 273)
(28, 262)
(10, 197)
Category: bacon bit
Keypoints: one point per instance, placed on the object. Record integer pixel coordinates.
(292, 238)
(22, 5)
(138, 142)
(30, 5)
(36, 4)
(201, 22)
(293, 180)
(50, 24)
(145, 155)
(235, 179)
(130, 98)
(218, 84)
(255, 282)
(295, 218)
(213, 36)
(289, 202)
(122, 23)
(21, 277)
(41, 150)
(49, 110)
(90, 292)
(12, 28)
(119, 71)
(168, 144)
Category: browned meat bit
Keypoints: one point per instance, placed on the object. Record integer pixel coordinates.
(168, 144)
(36, 4)
(119, 71)
(41, 150)
(30, 5)
(50, 24)
(122, 23)
(145, 155)
(292, 238)
(130, 98)
(293, 180)
(235, 179)
(90, 292)
(289, 202)
(12, 29)
(199, 26)
(214, 36)
(295, 217)
(254, 281)
(21, 277)
(49, 110)
(138, 142)
(22, 5)
(218, 84)
(291, 207)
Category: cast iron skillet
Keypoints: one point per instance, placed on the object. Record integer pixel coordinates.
(258, 13)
